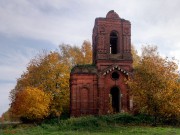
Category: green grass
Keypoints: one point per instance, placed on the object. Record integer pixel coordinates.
(117, 124)
(108, 130)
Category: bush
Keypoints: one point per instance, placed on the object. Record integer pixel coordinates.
(94, 123)
(97, 122)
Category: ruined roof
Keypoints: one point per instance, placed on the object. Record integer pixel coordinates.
(84, 69)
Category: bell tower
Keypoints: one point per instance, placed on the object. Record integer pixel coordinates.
(100, 88)
(111, 41)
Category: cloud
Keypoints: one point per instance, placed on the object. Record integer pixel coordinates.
(16, 54)
(72, 21)
(42, 21)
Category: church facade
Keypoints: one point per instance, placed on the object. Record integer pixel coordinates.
(100, 88)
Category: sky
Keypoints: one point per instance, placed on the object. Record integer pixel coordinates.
(29, 26)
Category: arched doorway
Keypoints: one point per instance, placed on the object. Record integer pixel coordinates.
(115, 99)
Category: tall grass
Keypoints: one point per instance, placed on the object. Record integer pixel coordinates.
(125, 124)
(98, 122)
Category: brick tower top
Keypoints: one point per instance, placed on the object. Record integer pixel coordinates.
(111, 40)
(113, 15)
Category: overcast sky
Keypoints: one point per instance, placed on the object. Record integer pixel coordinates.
(29, 26)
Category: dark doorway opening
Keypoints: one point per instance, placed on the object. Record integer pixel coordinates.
(113, 43)
(115, 99)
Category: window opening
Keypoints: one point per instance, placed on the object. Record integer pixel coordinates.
(115, 76)
(113, 43)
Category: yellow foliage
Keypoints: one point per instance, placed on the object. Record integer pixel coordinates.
(32, 103)
(50, 72)
(73, 55)
(155, 87)
(135, 55)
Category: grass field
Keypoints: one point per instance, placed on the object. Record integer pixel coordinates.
(90, 125)
(115, 130)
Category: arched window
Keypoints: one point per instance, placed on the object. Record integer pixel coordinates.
(113, 43)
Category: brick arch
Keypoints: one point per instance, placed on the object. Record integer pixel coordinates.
(114, 31)
(115, 67)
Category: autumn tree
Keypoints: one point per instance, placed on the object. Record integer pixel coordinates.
(5, 117)
(86, 50)
(136, 57)
(47, 72)
(73, 55)
(32, 104)
(155, 86)
(50, 72)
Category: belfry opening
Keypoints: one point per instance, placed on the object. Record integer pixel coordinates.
(115, 99)
(113, 43)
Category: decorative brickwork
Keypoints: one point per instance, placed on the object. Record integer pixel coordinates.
(100, 88)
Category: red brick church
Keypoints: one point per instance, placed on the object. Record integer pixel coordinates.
(100, 88)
